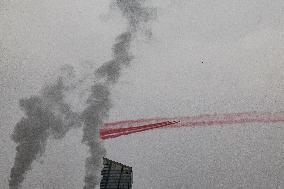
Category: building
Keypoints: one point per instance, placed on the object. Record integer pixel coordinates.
(116, 175)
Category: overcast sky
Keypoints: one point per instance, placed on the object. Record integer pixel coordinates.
(204, 57)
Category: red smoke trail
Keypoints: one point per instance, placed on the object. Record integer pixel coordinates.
(113, 133)
(126, 123)
(116, 129)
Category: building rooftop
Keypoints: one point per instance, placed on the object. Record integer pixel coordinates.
(116, 175)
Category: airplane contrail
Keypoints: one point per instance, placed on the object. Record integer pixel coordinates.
(120, 128)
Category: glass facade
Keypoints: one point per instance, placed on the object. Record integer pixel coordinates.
(116, 175)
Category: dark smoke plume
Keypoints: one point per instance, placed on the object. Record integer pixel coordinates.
(99, 101)
(45, 115)
(48, 114)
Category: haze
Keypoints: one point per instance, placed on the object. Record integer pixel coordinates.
(204, 57)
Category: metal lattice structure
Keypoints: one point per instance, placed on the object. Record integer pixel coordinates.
(116, 175)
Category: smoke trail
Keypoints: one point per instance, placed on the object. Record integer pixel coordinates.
(113, 133)
(117, 129)
(48, 114)
(99, 101)
(45, 115)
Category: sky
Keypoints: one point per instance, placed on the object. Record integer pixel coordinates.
(204, 57)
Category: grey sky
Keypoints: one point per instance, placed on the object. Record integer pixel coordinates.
(241, 46)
